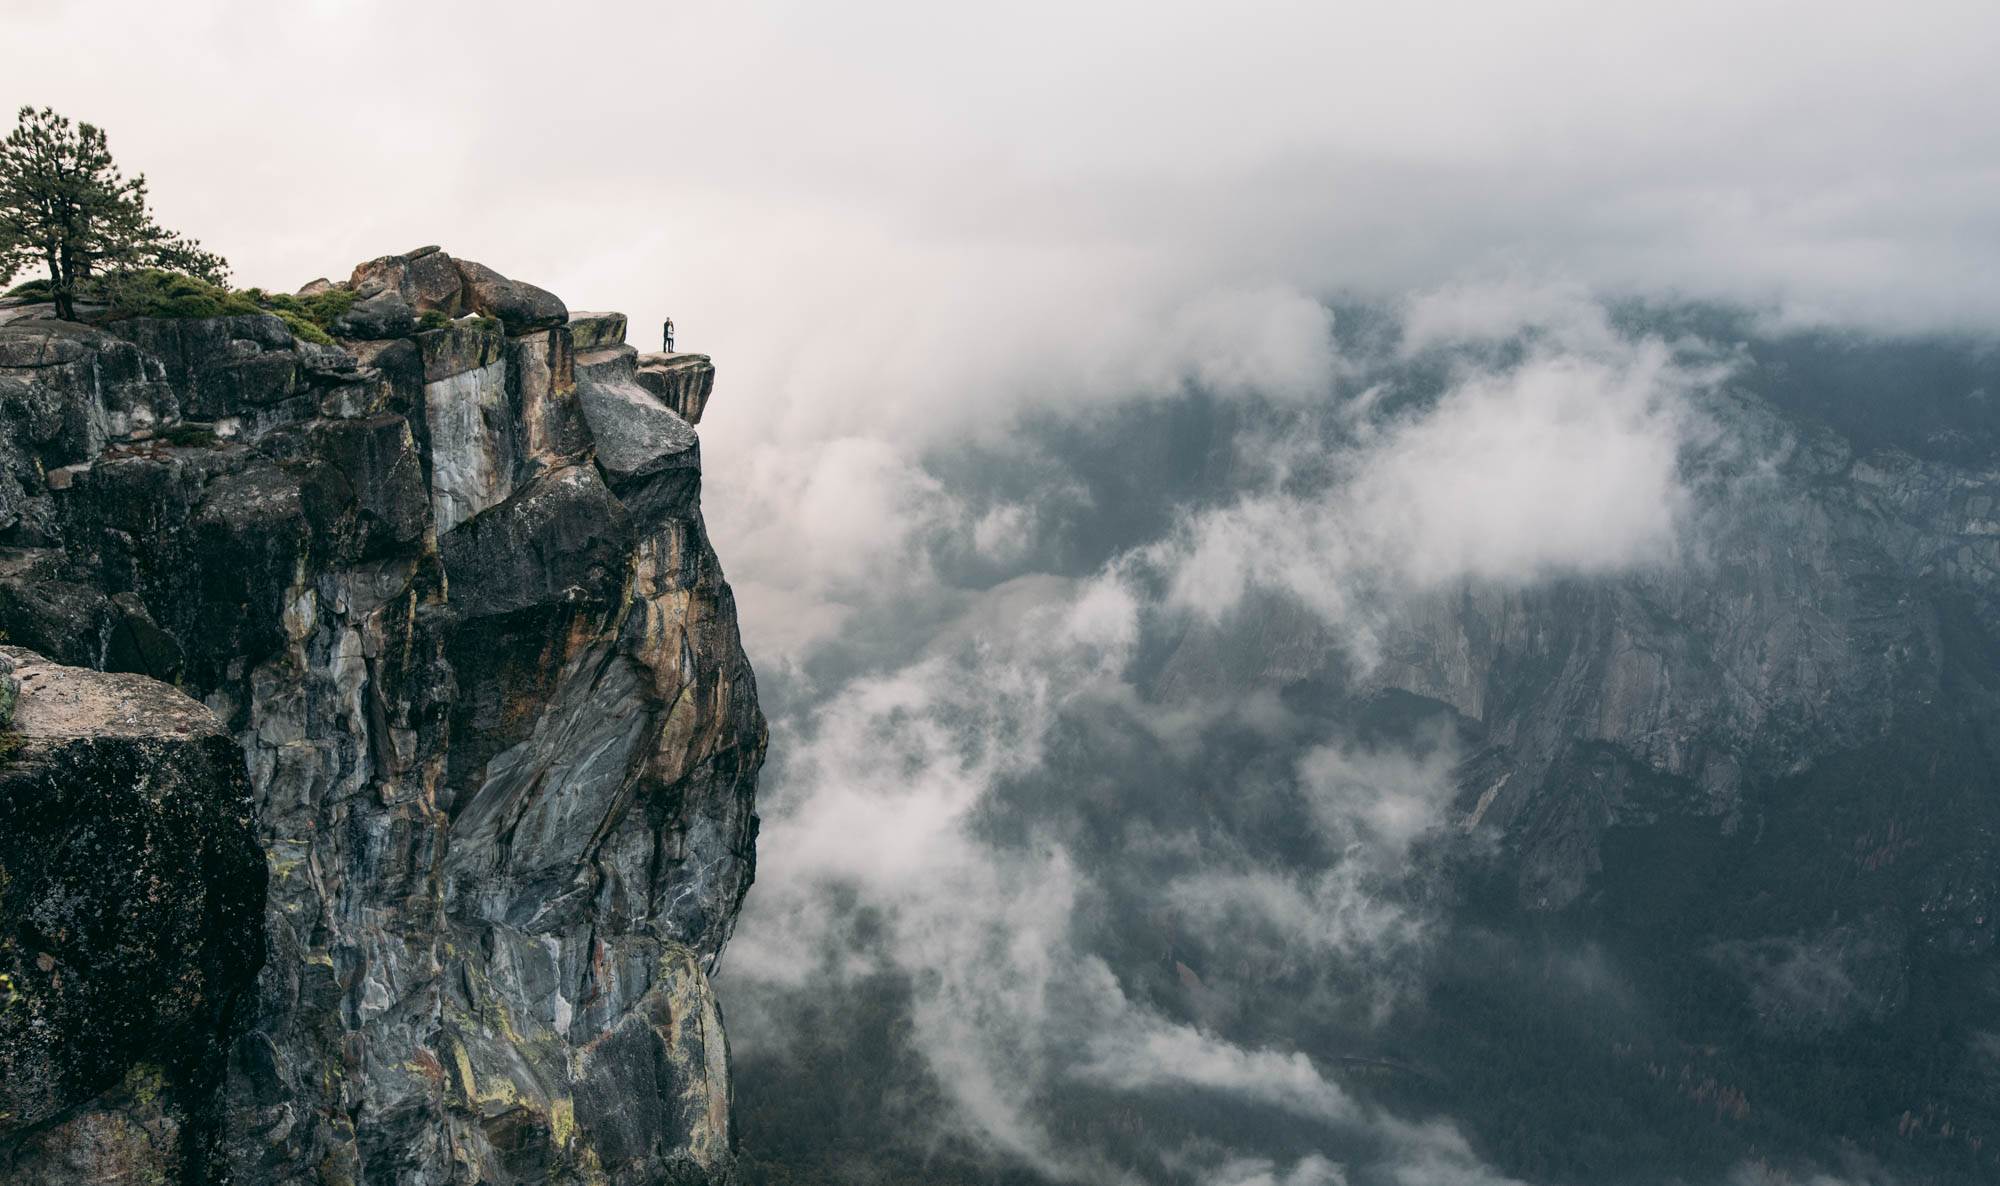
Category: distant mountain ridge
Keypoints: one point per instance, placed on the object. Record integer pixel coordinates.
(1710, 894)
(1765, 778)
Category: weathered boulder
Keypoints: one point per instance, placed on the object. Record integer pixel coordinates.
(132, 889)
(595, 331)
(431, 282)
(519, 306)
(426, 279)
(482, 669)
(384, 315)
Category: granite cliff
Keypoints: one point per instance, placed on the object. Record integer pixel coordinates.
(445, 582)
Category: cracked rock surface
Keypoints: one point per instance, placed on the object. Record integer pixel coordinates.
(450, 595)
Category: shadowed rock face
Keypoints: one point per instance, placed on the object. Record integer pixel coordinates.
(132, 894)
(452, 596)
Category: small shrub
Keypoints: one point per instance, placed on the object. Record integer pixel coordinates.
(150, 292)
(303, 328)
(307, 317)
(323, 307)
(278, 302)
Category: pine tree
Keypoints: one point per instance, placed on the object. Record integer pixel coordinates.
(65, 206)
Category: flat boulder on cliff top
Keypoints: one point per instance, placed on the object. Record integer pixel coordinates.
(426, 279)
(596, 331)
(519, 306)
(681, 381)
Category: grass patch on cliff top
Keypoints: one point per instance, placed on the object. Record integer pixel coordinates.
(150, 292)
(308, 316)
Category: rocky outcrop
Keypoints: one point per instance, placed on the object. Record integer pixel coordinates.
(424, 279)
(132, 887)
(648, 451)
(451, 593)
(680, 381)
(384, 315)
(520, 307)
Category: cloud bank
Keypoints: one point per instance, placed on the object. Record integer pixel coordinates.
(998, 802)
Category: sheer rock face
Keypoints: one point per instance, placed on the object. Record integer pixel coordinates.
(132, 890)
(484, 670)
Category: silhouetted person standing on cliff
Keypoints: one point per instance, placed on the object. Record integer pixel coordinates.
(667, 332)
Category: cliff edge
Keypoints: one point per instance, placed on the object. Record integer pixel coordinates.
(450, 591)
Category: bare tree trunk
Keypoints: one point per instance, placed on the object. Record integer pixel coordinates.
(59, 287)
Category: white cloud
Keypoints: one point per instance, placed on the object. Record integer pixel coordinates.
(1564, 460)
(1147, 1052)
(1311, 1170)
(1566, 463)
(1472, 310)
(876, 803)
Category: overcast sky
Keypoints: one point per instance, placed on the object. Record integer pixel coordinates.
(892, 222)
(908, 194)
(786, 175)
